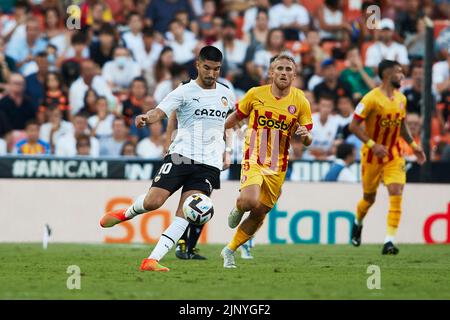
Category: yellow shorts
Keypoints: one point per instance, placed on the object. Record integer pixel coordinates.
(389, 172)
(269, 181)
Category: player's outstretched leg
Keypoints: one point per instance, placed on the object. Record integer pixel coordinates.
(363, 207)
(180, 250)
(248, 199)
(144, 203)
(193, 236)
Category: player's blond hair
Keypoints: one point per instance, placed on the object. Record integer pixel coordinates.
(283, 55)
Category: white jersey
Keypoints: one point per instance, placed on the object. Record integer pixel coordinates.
(201, 115)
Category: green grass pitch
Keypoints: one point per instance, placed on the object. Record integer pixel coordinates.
(277, 272)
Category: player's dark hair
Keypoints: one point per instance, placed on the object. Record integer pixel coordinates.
(344, 150)
(210, 53)
(385, 65)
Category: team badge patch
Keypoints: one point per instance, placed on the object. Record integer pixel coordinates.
(157, 178)
(224, 101)
(292, 109)
(243, 179)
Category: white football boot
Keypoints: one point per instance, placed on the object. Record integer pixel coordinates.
(228, 258)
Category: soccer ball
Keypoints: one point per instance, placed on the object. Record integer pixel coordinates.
(198, 209)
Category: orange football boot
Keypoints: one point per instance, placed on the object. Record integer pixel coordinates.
(113, 217)
(152, 265)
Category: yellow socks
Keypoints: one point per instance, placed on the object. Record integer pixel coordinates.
(361, 210)
(239, 238)
(393, 219)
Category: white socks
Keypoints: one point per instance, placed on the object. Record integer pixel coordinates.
(169, 238)
(136, 208)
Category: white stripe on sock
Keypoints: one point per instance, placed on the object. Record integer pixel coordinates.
(136, 208)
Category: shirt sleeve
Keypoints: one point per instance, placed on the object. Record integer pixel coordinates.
(363, 108)
(304, 117)
(172, 101)
(245, 105)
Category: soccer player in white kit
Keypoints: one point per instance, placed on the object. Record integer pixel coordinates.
(195, 157)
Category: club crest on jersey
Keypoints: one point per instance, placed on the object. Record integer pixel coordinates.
(224, 101)
(243, 179)
(292, 109)
(157, 178)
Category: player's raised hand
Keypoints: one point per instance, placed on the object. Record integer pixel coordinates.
(302, 131)
(380, 150)
(421, 157)
(141, 121)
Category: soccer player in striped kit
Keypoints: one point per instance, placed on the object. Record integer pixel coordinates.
(379, 121)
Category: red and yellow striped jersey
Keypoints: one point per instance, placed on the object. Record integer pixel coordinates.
(383, 117)
(271, 123)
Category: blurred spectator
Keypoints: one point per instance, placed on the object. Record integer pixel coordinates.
(386, 47)
(251, 15)
(89, 102)
(297, 147)
(148, 56)
(35, 82)
(415, 43)
(83, 145)
(55, 95)
(441, 75)
(133, 105)
(358, 78)
(345, 110)
(406, 21)
(66, 145)
(15, 28)
(153, 146)
(129, 149)
(17, 108)
(339, 170)
(312, 55)
(88, 79)
(291, 17)
(55, 33)
(102, 51)
(414, 123)
(413, 93)
(160, 12)
(331, 85)
(183, 49)
(23, 49)
(182, 16)
(3, 147)
(95, 14)
(275, 45)
(178, 75)
(206, 21)
(139, 134)
(233, 51)
(101, 123)
(70, 67)
(112, 146)
(257, 36)
(324, 130)
(7, 65)
(55, 127)
(331, 21)
(133, 39)
(32, 145)
(162, 66)
(121, 71)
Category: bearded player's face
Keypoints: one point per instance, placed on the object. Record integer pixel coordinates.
(208, 71)
(283, 73)
(397, 76)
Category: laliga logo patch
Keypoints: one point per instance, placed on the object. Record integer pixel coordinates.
(243, 179)
(292, 109)
(224, 101)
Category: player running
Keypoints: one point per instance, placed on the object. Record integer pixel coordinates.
(196, 155)
(383, 112)
(275, 112)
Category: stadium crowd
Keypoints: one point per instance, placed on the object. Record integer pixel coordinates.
(72, 89)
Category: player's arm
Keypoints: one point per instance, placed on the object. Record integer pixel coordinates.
(305, 135)
(356, 127)
(406, 135)
(150, 117)
(232, 120)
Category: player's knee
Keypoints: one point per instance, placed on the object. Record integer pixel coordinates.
(154, 202)
(247, 203)
(370, 197)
